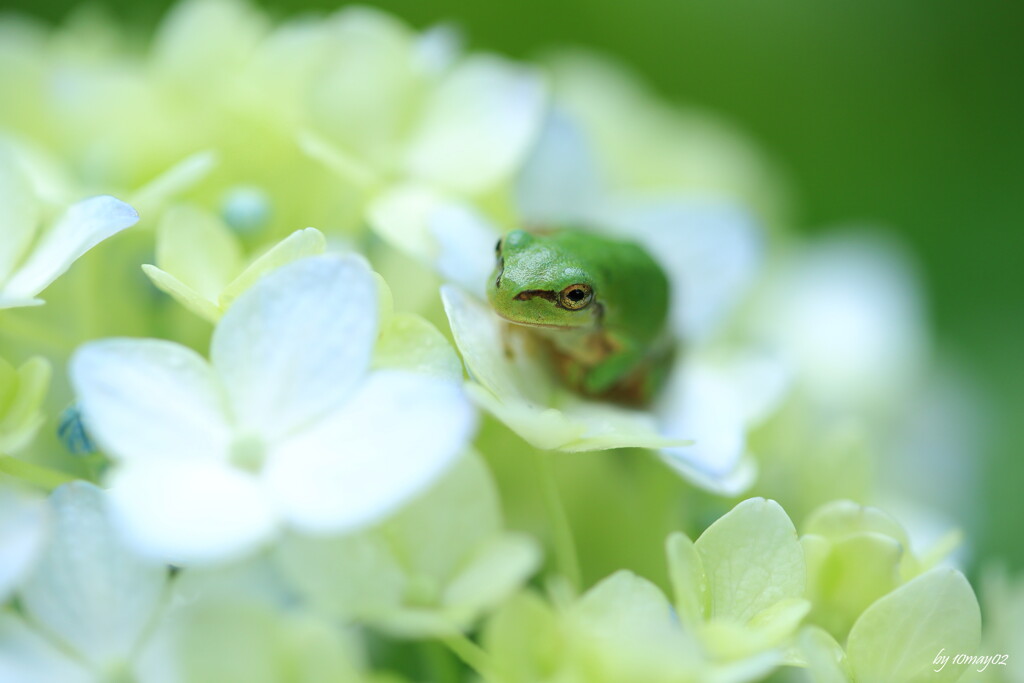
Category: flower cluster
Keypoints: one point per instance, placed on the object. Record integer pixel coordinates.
(234, 447)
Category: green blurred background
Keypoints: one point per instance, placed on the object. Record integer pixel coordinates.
(907, 114)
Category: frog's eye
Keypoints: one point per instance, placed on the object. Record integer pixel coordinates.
(575, 297)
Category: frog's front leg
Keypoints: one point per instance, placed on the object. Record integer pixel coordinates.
(605, 375)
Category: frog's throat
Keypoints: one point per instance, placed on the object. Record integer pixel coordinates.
(523, 323)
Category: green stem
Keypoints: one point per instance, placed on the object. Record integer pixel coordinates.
(472, 656)
(561, 531)
(43, 477)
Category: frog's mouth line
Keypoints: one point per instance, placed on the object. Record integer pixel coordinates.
(528, 294)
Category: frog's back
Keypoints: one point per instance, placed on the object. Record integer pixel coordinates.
(629, 284)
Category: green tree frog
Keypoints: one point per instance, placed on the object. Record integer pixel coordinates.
(599, 306)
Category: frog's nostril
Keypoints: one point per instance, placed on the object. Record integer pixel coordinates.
(501, 271)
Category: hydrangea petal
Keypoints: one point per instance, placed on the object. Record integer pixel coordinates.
(19, 214)
(83, 226)
(27, 657)
(408, 342)
(89, 589)
(298, 245)
(752, 559)
(711, 249)
(296, 343)
(496, 570)
(898, 637)
(24, 523)
(478, 124)
(559, 182)
(465, 244)
(395, 437)
(702, 404)
(198, 249)
(149, 399)
(190, 512)
(182, 293)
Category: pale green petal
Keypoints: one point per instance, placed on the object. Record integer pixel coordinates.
(898, 637)
(89, 589)
(231, 640)
(298, 245)
(855, 572)
(408, 342)
(689, 584)
(21, 409)
(202, 42)
(401, 216)
(19, 214)
(174, 181)
(355, 576)
(625, 601)
(525, 639)
(198, 249)
(362, 98)
(497, 569)
(182, 293)
(843, 518)
(826, 661)
(478, 124)
(752, 559)
(438, 533)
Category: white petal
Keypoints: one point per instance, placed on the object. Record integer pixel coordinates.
(560, 180)
(19, 214)
(710, 250)
(478, 334)
(24, 523)
(702, 403)
(89, 589)
(848, 313)
(148, 398)
(478, 124)
(396, 436)
(190, 512)
(83, 226)
(465, 246)
(297, 342)
(26, 657)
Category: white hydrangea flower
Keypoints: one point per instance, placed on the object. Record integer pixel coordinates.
(287, 423)
(31, 259)
(89, 600)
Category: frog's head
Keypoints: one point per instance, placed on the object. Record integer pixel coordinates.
(538, 282)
